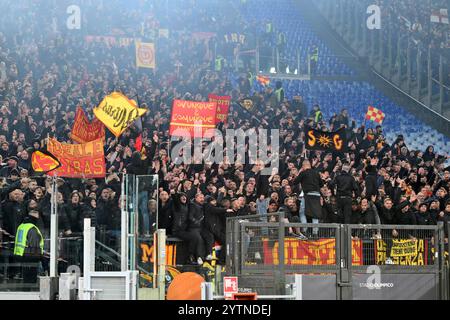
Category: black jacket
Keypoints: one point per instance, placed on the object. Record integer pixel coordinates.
(371, 185)
(424, 219)
(13, 215)
(387, 216)
(108, 214)
(370, 216)
(196, 215)
(346, 185)
(165, 216)
(180, 213)
(215, 218)
(406, 218)
(310, 181)
(75, 216)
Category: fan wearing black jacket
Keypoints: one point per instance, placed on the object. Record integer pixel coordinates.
(180, 226)
(214, 228)
(346, 186)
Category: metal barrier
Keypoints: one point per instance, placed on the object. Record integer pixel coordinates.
(348, 261)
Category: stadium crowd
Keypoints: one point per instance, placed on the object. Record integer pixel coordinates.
(45, 75)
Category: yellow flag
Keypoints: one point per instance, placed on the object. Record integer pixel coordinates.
(145, 55)
(117, 112)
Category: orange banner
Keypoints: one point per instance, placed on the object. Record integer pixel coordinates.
(84, 131)
(301, 252)
(86, 160)
(223, 104)
(192, 118)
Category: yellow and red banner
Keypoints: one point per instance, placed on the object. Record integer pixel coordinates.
(42, 161)
(86, 160)
(223, 104)
(117, 112)
(83, 130)
(264, 80)
(192, 119)
(148, 253)
(301, 252)
(374, 114)
(145, 55)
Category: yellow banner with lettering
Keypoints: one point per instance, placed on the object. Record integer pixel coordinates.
(117, 112)
(409, 252)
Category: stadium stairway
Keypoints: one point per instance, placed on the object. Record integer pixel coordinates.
(304, 27)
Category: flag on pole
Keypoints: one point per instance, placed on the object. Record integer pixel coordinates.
(117, 112)
(439, 16)
(145, 55)
(264, 80)
(43, 161)
(374, 114)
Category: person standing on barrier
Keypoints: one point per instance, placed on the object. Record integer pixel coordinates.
(346, 186)
(187, 227)
(311, 183)
(29, 246)
(214, 228)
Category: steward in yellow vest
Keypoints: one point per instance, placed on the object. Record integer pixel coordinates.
(29, 247)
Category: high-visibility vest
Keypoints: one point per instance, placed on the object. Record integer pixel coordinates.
(21, 239)
(278, 93)
(318, 116)
(218, 63)
(315, 55)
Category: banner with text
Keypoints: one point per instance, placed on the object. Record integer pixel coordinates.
(406, 252)
(86, 160)
(117, 112)
(300, 252)
(223, 104)
(83, 130)
(192, 118)
(326, 141)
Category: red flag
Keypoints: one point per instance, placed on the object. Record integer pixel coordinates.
(138, 143)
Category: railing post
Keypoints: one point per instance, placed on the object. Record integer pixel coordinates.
(124, 226)
(281, 260)
(408, 67)
(430, 75)
(419, 72)
(277, 56)
(441, 260)
(161, 266)
(236, 243)
(390, 53)
(441, 84)
(257, 57)
(54, 230)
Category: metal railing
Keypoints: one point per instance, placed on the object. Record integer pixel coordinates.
(264, 253)
(412, 66)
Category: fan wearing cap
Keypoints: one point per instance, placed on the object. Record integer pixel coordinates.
(423, 216)
(12, 164)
